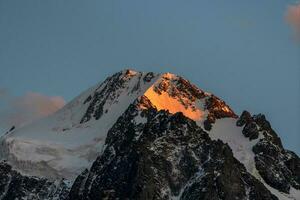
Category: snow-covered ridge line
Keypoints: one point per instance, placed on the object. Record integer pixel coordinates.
(65, 143)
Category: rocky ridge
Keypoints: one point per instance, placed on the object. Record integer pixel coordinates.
(161, 147)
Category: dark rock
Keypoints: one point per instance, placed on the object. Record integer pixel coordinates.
(250, 130)
(148, 77)
(244, 118)
(169, 155)
(12, 128)
(107, 91)
(88, 99)
(217, 109)
(278, 167)
(13, 186)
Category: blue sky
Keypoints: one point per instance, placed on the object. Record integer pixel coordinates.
(242, 51)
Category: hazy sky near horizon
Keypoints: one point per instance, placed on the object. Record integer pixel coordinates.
(246, 52)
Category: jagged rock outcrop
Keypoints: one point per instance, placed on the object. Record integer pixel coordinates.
(14, 186)
(217, 109)
(167, 156)
(280, 168)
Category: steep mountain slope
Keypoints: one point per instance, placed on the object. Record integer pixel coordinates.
(149, 136)
(164, 156)
(67, 142)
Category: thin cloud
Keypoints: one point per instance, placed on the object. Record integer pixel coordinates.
(293, 18)
(29, 107)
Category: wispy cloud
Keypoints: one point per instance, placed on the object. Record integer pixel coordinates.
(293, 18)
(27, 108)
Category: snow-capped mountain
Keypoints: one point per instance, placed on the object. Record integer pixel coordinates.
(147, 136)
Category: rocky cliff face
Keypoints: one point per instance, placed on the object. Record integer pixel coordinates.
(280, 168)
(166, 157)
(14, 185)
(170, 141)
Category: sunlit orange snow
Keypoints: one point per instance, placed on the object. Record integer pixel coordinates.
(165, 102)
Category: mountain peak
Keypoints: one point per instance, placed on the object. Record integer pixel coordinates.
(77, 130)
(148, 136)
(173, 93)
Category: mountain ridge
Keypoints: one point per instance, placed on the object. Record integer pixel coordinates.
(105, 142)
(95, 111)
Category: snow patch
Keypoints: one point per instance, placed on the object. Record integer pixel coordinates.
(226, 130)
